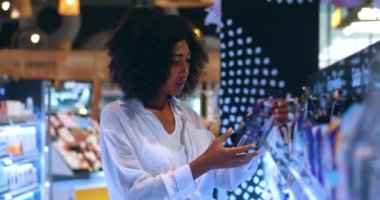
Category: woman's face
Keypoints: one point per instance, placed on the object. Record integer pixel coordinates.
(179, 69)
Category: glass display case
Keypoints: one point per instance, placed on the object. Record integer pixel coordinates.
(22, 140)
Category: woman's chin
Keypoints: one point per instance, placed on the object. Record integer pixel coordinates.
(178, 90)
(177, 93)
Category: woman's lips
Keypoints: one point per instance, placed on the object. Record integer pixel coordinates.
(181, 83)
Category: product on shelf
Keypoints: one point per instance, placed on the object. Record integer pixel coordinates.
(22, 172)
(76, 140)
(19, 176)
(13, 110)
(19, 141)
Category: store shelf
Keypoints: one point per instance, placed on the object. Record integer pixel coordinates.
(20, 159)
(18, 192)
(24, 141)
(19, 121)
(300, 181)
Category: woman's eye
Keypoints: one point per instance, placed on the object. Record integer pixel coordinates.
(176, 62)
(179, 62)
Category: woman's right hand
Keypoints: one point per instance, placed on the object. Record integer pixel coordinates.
(217, 156)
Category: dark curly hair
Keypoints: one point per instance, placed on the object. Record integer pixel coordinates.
(141, 52)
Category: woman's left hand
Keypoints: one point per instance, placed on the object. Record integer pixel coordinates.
(281, 111)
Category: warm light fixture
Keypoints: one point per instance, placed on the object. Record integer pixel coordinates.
(21, 9)
(198, 32)
(15, 14)
(184, 3)
(35, 38)
(5, 5)
(82, 111)
(69, 7)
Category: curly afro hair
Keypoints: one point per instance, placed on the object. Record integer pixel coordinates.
(141, 52)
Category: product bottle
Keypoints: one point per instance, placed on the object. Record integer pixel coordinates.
(29, 105)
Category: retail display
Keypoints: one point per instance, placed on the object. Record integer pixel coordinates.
(308, 162)
(350, 75)
(18, 177)
(313, 160)
(361, 155)
(335, 158)
(22, 174)
(76, 140)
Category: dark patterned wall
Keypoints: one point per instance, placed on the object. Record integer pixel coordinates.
(265, 44)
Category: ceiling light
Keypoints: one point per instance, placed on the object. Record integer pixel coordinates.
(68, 7)
(15, 14)
(21, 9)
(5, 5)
(35, 38)
(70, 2)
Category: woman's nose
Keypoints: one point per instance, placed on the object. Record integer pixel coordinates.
(186, 67)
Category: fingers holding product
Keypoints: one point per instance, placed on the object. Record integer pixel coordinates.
(281, 111)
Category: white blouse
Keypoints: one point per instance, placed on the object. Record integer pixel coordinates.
(142, 161)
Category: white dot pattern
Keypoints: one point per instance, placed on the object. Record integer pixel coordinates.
(238, 81)
(230, 43)
(223, 74)
(246, 75)
(222, 45)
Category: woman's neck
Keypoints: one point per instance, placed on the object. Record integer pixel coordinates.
(158, 103)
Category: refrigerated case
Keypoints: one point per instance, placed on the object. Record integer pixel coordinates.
(22, 140)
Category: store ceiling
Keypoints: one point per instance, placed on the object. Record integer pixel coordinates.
(97, 18)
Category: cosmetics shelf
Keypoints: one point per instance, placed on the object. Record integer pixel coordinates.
(17, 193)
(22, 139)
(299, 181)
(25, 120)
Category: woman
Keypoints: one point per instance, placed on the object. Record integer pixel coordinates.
(154, 147)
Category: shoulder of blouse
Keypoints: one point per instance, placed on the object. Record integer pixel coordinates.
(113, 111)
